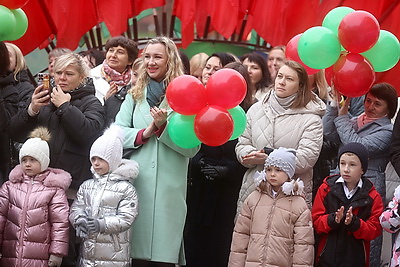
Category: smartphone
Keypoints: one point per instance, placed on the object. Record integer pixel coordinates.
(44, 78)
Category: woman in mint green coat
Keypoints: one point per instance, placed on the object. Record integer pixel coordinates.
(157, 233)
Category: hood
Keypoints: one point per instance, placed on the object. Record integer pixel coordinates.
(85, 90)
(51, 177)
(128, 170)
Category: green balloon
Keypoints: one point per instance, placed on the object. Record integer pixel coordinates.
(21, 24)
(335, 16)
(239, 121)
(319, 47)
(7, 23)
(385, 54)
(181, 130)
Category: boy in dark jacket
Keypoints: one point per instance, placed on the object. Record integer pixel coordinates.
(346, 212)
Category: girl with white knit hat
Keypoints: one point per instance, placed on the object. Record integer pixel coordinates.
(34, 208)
(107, 205)
(274, 227)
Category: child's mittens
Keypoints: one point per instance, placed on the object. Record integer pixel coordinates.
(96, 225)
(55, 261)
(81, 226)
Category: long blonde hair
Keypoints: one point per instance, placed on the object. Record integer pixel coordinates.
(174, 67)
(20, 63)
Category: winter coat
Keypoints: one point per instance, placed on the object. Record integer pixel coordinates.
(273, 231)
(300, 129)
(34, 217)
(157, 234)
(111, 198)
(375, 136)
(100, 84)
(212, 206)
(73, 127)
(340, 244)
(113, 104)
(8, 108)
(390, 221)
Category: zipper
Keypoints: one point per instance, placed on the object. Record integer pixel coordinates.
(23, 220)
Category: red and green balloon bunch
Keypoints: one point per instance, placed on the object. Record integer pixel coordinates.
(350, 46)
(13, 20)
(209, 115)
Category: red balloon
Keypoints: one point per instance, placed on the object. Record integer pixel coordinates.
(186, 95)
(292, 54)
(358, 31)
(226, 88)
(353, 75)
(213, 125)
(13, 4)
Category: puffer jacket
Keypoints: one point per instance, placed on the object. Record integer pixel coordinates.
(273, 231)
(112, 199)
(300, 129)
(34, 217)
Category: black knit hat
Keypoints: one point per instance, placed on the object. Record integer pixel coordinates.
(357, 149)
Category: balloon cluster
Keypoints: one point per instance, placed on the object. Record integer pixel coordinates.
(350, 46)
(13, 20)
(209, 115)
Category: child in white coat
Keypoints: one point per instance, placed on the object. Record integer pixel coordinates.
(274, 227)
(107, 205)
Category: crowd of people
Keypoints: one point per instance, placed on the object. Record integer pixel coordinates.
(91, 177)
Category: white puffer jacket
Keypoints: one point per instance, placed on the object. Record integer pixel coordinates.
(300, 129)
(113, 199)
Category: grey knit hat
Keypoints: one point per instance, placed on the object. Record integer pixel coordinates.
(283, 158)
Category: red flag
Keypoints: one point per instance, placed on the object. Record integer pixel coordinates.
(224, 14)
(72, 18)
(185, 11)
(115, 14)
(40, 26)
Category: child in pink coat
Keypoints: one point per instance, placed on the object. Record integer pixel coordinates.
(34, 208)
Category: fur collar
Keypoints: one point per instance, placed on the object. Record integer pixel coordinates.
(51, 177)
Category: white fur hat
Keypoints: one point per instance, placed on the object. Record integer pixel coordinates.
(37, 147)
(109, 147)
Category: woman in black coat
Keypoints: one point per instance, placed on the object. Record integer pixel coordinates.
(71, 112)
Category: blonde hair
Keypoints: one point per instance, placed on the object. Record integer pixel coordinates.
(174, 66)
(20, 63)
(198, 61)
(72, 59)
(321, 84)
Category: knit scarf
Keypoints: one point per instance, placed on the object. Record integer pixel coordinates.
(363, 119)
(155, 92)
(111, 75)
(280, 104)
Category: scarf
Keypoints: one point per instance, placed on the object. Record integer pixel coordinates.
(280, 104)
(363, 119)
(155, 93)
(111, 75)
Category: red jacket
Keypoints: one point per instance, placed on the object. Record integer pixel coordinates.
(340, 244)
(33, 217)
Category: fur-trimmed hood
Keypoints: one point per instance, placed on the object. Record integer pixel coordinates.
(127, 170)
(51, 177)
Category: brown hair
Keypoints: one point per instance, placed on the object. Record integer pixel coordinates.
(130, 46)
(387, 93)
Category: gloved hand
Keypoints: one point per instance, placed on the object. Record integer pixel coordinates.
(55, 261)
(81, 226)
(95, 226)
(214, 171)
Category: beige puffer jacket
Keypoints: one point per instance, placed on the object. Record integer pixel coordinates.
(273, 232)
(300, 129)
